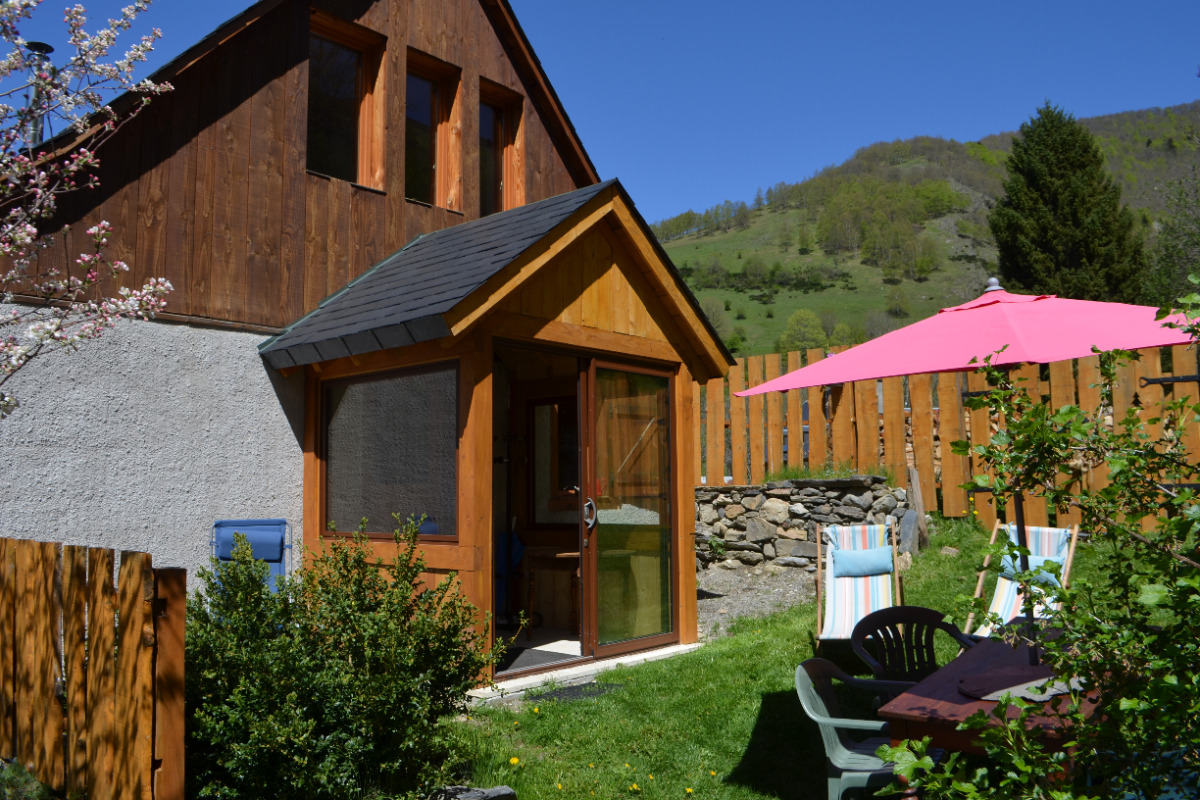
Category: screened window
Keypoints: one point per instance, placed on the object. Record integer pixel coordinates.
(391, 447)
(333, 100)
(420, 145)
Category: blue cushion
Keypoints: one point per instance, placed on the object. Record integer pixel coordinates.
(862, 563)
(1009, 569)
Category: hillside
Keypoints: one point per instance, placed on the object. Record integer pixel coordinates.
(893, 234)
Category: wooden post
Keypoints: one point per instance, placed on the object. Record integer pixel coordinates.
(1089, 400)
(695, 426)
(1062, 393)
(715, 403)
(1035, 507)
(866, 422)
(795, 418)
(170, 610)
(894, 440)
(818, 420)
(921, 398)
(950, 429)
(101, 673)
(737, 421)
(756, 429)
(74, 589)
(841, 405)
(8, 647)
(981, 433)
(774, 417)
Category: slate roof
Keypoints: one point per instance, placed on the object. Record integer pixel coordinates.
(400, 300)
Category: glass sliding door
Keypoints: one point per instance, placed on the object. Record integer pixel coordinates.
(628, 511)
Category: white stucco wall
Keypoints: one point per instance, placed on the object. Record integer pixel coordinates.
(141, 440)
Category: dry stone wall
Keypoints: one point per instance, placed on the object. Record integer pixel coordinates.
(776, 523)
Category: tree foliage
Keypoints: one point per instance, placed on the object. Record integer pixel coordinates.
(803, 332)
(60, 306)
(1129, 637)
(1176, 252)
(1060, 227)
(333, 685)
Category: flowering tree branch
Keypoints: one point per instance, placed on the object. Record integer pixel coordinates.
(53, 307)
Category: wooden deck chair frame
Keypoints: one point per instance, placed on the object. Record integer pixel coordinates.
(825, 570)
(1003, 526)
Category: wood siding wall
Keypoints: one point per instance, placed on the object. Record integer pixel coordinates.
(900, 423)
(208, 187)
(116, 650)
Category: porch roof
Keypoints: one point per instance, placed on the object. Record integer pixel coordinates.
(401, 300)
(407, 297)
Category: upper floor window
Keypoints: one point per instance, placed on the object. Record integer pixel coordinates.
(500, 178)
(432, 150)
(491, 163)
(343, 101)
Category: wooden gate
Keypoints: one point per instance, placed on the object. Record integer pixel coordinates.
(91, 670)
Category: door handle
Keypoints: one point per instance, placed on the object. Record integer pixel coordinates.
(589, 517)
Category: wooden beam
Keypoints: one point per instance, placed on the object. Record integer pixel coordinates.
(533, 329)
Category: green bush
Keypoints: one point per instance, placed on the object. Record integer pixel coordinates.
(333, 685)
(17, 784)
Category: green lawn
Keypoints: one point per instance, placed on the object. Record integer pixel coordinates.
(722, 722)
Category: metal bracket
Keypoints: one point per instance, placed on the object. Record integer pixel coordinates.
(1171, 379)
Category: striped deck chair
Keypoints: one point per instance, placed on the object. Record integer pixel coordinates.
(1045, 544)
(860, 576)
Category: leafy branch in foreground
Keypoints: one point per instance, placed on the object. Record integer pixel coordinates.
(60, 306)
(1128, 637)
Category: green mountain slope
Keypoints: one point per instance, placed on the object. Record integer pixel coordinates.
(894, 233)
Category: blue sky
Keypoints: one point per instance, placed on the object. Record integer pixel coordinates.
(692, 103)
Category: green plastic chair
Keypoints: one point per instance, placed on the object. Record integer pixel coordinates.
(849, 764)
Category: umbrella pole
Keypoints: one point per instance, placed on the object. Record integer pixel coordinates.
(1023, 543)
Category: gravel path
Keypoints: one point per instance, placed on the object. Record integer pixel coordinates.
(726, 594)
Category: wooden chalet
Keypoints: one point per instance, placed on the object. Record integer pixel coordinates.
(518, 370)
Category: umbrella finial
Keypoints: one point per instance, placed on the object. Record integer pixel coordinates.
(993, 285)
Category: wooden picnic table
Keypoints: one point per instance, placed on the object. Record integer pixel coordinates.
(937, 705)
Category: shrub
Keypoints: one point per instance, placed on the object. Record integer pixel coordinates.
(17, 784)
(333, 685)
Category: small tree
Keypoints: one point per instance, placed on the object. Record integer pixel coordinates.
(803, 331)
(60, 308)
(331, 686)
(1060, 227)
(1129, 637)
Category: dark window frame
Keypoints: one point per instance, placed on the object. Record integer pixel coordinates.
(370, 47)
(446, 114)
(508, 106)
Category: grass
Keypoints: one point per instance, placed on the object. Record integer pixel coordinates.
(722, 721)
(843, 470)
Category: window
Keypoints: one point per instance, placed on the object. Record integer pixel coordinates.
(500, 183)
(420, 134)
(432, 156)
(343, 97)
(491, 164)
(555, 460)
(391, 447)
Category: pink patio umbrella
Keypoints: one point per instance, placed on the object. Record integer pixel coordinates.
(1031, 328)
(1035, 328)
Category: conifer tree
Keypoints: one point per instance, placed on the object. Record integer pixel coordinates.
(1060, 227)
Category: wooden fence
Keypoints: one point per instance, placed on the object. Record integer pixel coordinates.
(901, 423)
(91, 673)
